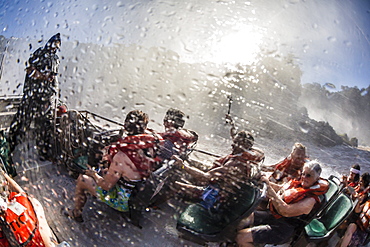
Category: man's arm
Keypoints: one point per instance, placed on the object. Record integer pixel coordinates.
(110, 179)
(291, 210)
(195, 172)
(187, 135)
(275, 187)
(233, 130)
(267, 168)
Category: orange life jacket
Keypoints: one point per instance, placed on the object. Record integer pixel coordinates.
(131, 146)
(284, 171)
(364, 219)
(293, 192)
(19, 225)
(353, 184)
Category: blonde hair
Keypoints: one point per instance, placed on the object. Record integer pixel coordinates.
(299, 147)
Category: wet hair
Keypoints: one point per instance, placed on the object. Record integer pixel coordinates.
(366, 179)
(315, 166)
(299, 147)
(247, 139)
(357, 176)
(136, 122)
(176, 117)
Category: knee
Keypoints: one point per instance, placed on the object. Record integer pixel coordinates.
(244, 237)
(84, 182)
(82, 178)
(246, 222)
(352, 228)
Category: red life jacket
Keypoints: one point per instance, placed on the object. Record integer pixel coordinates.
(364, 219)
(19, 225)
(353, 184)
(178, 138)
(360, 191)
(293, 192)
(132, 146)
(252, 155)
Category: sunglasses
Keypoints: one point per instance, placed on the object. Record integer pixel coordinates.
(306, 175)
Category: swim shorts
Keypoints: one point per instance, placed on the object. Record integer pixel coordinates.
(117, 197)
(269, 230)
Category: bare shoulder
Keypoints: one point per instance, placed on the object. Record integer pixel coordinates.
(120, 158)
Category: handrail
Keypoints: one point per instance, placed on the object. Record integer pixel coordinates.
(99, 116)
(205, 152)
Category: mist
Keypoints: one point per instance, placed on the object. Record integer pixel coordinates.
(266, 96)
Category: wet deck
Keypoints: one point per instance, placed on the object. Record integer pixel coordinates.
(103, 226)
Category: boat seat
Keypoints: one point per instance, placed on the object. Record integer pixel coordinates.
(197, 219)
(313, 225)
(333, 189)
(330, 219)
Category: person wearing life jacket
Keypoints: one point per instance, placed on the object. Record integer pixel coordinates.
(38, 103)
(361, 193)
(289, 205)
(290, 167)
(177, 139)
(362, 187)
(358, 231)
(227, 172)
(131, 161)
(353, 179)
(22, 218)
(354, 176)
(242, 146)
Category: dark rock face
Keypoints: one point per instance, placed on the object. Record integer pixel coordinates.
(275, 109)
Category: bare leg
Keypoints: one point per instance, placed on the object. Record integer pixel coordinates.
(45, 231)
(348, 235)
(84, 184)
(246, 222)
(245, 238)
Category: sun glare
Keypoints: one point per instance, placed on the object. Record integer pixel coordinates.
(240, 46)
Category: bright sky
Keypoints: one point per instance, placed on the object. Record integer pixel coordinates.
(330, 39)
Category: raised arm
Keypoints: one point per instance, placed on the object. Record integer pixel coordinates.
(233, 130)
(195, 172)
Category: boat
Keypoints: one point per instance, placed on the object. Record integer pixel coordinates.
(201, 225)
(82, 134)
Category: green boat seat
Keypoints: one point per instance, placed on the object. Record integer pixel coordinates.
(200, 220)
(330, 218)
(333, 189)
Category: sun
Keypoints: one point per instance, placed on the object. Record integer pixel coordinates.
(238, 46)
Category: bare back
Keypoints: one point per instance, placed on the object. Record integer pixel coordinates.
(122, 166)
